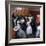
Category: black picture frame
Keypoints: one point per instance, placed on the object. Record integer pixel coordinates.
(6, 37)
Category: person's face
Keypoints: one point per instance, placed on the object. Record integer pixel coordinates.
(22, 21)
(16, 28)
(28, 23)
(38, 19)
(30, 19)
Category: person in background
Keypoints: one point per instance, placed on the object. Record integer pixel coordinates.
(38, 25)
(19, 32)
(29, 28)
(23, 24)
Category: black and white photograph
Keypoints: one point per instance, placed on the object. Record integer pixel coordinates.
(26, 22)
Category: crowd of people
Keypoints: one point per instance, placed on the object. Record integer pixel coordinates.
(26, 27)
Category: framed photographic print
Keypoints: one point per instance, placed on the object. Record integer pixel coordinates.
(25, 22)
